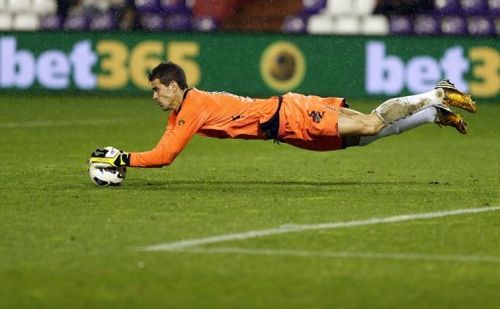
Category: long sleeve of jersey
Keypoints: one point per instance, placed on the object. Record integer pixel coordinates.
(180, 129)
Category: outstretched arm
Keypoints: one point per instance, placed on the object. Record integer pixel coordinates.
(178, 133)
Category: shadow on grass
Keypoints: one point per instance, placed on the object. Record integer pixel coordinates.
(254, 184)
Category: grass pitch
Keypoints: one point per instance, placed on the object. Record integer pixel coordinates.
(65, 243)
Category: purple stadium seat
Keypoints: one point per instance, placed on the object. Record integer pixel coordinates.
(102, 21)
(174, 6)
(178, 22)
(152, 22)
(494, 7)
(425, 24)
(51, 22)
(447, 7)
(76, 21)
(313, 6)
(455, 25)
(147, 6)
(497, 26)
(205, 24)
(480, 25)
(294, 24)
(400, 25)
(478, 7)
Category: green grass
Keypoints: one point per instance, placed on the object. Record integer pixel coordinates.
(65, 243)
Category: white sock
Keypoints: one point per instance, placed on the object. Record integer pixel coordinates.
(394, 109)
(426, 115)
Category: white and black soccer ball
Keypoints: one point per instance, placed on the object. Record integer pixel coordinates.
(107, 176)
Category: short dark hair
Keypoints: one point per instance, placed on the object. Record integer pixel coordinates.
(168, 72)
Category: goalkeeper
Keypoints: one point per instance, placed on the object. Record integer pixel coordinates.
(308, 122)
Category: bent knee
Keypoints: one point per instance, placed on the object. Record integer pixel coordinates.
(372, 125)
(372, 129)
(360, 125)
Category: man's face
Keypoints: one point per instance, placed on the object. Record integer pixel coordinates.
(165, 96)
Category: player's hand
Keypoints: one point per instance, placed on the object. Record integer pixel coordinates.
(109, 156)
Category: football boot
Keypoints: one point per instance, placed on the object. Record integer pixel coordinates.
(454, 97)
(446, 117)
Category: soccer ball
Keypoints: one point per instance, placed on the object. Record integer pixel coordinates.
(107, 176)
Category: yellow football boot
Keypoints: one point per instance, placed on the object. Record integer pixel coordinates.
(454, 97)
(448, 118)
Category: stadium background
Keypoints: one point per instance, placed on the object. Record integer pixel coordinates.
(73, 77)
(385, 54)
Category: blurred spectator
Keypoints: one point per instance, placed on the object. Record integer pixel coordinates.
(220, 10)
(246, 15)
(63, 7)
(126, 15)
(403, 7)
(74, 14)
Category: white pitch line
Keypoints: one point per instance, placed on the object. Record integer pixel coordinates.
(190, 243)
(345, 254)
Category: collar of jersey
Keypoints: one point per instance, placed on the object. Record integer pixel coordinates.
(184, 99)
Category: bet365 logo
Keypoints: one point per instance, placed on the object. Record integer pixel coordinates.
(53, 69)
(103, 64)
(388, 74)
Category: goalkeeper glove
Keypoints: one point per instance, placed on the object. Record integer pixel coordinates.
(109, 156)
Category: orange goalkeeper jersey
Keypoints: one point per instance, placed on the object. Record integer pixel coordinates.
(304, 121)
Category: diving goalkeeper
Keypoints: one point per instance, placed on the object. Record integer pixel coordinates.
(308, 122)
